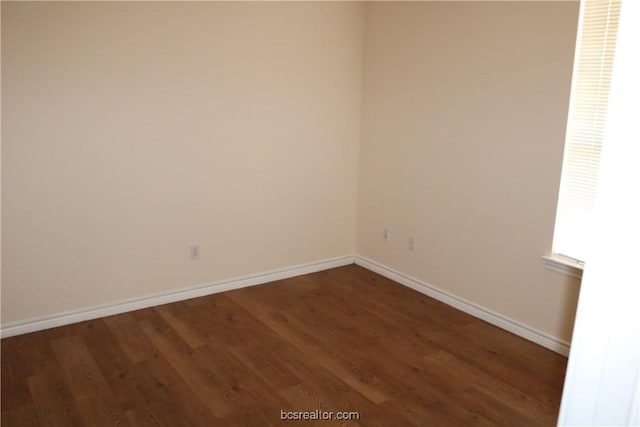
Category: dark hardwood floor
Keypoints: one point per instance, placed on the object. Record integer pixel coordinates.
(340, 340)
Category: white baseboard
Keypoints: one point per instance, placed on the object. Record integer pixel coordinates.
(66, 318)
(513, 326)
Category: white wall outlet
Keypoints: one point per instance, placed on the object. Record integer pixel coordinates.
(385, 234)
(411, 243)
(194, 251)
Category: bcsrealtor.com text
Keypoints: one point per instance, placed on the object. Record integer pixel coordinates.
(318, 415)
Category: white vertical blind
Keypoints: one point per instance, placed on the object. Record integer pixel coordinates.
(593, 64)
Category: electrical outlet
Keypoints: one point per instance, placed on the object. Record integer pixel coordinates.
(194, 251)
(385, 234)
(411, 243)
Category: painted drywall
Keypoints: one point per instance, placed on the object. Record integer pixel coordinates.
(464, 117)
(134, 130)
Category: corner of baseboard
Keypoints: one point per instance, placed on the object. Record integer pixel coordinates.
(65, 318)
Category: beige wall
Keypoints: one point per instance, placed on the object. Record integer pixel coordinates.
(133, 130)
(464, 116)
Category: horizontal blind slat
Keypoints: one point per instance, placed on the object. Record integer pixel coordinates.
(586, 123)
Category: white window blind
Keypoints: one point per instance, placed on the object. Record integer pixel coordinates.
(585, 126)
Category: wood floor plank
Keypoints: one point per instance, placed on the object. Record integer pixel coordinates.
(344, 339)
(267, 359)
(338, 395)
(383, 293)
(53, 400)
(239, 385)
(53, 404)
(94, 398)
(528, 357)
(167, 394)
(362, 327)
(304, 399)
(180, 357)
(496, 411)
(218, 318)
(495, 367)
(179, 319)
(14, 374)
(534, 409)
(123, 374)
(130, 337)
(25, 415)
(304, 340)
(398, 377)
(403, 378)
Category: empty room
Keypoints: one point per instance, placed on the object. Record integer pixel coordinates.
(320, 213)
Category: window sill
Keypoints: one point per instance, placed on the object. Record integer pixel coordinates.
(563, 265)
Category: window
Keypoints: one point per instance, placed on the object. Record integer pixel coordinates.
(585, 127)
